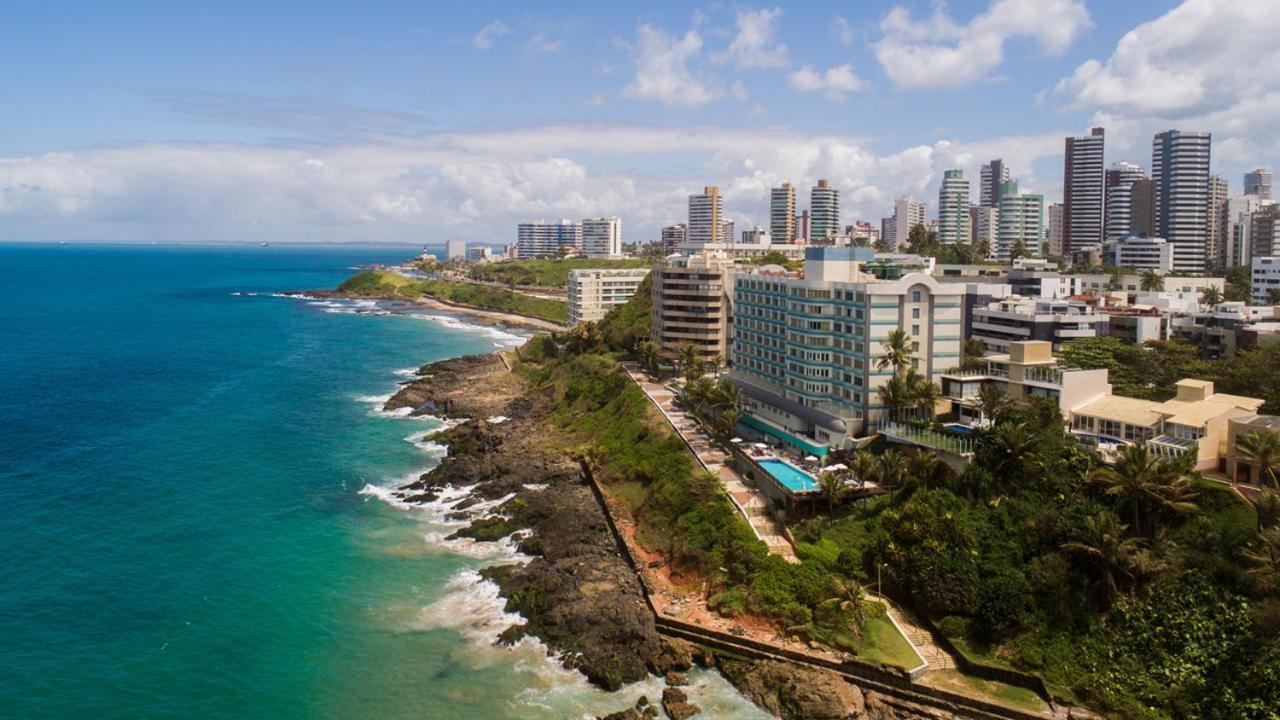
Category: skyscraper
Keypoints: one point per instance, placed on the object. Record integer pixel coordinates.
(1180, 195)
(1021, 222)
(1082, 187)
(824, 211)
(543, 239)
(705, 216)
(602, 237)
(782, 213)
(993, 175)
(953, 208)
(802, 226)
(986, 227)
(1120, 179)
(1258, 182)
(1217, 217)
(673, 236)
(907, 213)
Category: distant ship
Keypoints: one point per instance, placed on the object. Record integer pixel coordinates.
(264, 244)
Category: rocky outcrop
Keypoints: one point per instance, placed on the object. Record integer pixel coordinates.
(793, 692)
(676, 704)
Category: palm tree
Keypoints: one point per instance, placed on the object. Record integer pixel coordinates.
(1273, 296)
(1267, 503)
(973, 354)
(729, 420)
(864, 466)
(1015, 444)
(1101, 539)
(1266, 558)
(896, 393)
(831, 487)
(1262, 449)
(925, 395)
(687, 356)
(897, 352)
(1144, 480)
(648, 352)
(924, 467)
(728, 393)
(849, 596)
(1152, 281)
(893, 467)
(1211, 296)
(993, 400)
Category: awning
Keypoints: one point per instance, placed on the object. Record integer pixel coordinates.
(795, 441)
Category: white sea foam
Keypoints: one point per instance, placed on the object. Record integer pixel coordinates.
(502, 338)
(406, 372)
(498, 419)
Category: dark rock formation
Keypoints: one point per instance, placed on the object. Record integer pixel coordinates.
(676, 704)
(793, 692)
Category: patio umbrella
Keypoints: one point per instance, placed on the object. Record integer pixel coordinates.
(837, 466)
(810, 458)
(735, 441)
(761, 445)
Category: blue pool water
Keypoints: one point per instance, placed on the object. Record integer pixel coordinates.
(960, 428)
(791, 477)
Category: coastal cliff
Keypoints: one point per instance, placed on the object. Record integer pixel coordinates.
(575, 593)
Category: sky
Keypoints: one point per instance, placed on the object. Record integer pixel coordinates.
(418, 122)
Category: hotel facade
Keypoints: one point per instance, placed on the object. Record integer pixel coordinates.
(806, 345)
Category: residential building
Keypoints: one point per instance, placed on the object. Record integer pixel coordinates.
(1266, 278)
(674, 237)
(806, 344)
(748, 250)
(727, 232)
(756, 236)
(782, 213)
(1258, 182)
(455, 250)
(824, 211)
(1032, 278)
(802, 227)
(480, 254)
(602, 237)
(1082, 191)
(1237, 466)
(1194, 422)
(1216, 219)
(1264, 231)
(1056, 242)
(907, 213)
(1120, 180)
(1180, 189)
(693, 305)
(1021, 223)
(706, 214)
(1139, 253)
(1221, 330)
(862, 232)
(543, 239)
(594, 292)
(953, 209)
(1142, 208)
(1131, 284)
(1028, 370)
(1017, 318)
(1236, 247)
(889, 233)
(992, 176)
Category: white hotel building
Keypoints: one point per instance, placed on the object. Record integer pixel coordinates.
(805, 344)
(594, 292)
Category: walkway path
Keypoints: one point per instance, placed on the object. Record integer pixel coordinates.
(753, 506)
(921, 640)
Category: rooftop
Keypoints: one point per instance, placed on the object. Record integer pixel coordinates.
(1131, 411)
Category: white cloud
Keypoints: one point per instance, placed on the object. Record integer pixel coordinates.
(834, 83)
(938, 52)
(473, 185)
(842, 30)
(662, 69)
(542, 43)
(484, 39)
(754, 45)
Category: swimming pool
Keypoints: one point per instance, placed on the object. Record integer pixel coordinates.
(959, 427)
(791, 477)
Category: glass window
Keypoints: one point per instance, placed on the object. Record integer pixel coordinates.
(915, 313)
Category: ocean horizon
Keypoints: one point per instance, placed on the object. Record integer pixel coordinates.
(194, 515)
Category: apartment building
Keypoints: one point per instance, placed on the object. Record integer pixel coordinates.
(1222, 329)
(706, 217)
(1140, 253)
(824, 211)
(1102, 283)
(602, 237)
(455, 250)
(1016, 318)
(806, 344)
(543, 239)
(782, 213)
(594, 292)
(693, 305)
(1029, 370)
(1266, 277)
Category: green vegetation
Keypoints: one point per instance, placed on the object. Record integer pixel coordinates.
(628, 325)
(380, 283)
(884, 644)
(777, 258)
(546, 272)
(1149, 370)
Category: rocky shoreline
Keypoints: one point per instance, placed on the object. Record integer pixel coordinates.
(474, 314)
(575, 593)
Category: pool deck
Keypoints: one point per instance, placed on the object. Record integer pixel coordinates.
(753, 506)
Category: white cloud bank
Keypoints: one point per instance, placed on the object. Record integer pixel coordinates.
(662, 69)
(938, 52)
(754, 45)
(834, 83)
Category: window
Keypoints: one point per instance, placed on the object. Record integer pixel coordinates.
(915, 296)
(915, 313)
(915, 329)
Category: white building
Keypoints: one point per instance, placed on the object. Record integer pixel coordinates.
(480, 254)
(602, 237)
(824, 211)
(1266, 277)
(706, 215)
(1141, 253)
(1082, 186)
(543, 239)
(455, 250)
(1236, 247)
(594, 292)
(1054, 237)
(756, 236)
(953, 209)
(1021, 222)
(1017, 318)
(1180, 195)
(907, 213)
(1120, 180)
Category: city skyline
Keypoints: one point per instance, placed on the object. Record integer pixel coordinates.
(336, 137)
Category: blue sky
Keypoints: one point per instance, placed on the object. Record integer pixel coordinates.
(417, 122)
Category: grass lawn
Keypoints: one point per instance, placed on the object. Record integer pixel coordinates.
(882, 643)
(547, 272)
(1010, 695)
(383, 283)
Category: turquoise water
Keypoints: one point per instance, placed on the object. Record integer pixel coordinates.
(791, 477)
(190, 517)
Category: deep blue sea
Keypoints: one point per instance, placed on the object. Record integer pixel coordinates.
(192, 521)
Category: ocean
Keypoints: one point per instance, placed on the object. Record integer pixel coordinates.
(193, 517)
